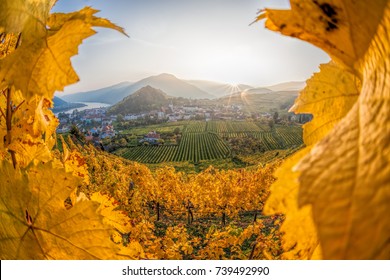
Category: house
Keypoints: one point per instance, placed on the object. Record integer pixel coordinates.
(107, 132)
(152, 138)
(94, 131)
(89, 137)
(106, 121)
(190, 109)
(63, 129)
(130, 117)
(172, 118)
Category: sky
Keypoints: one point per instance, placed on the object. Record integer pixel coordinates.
(191, 39)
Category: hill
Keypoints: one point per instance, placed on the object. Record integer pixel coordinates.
(143, 100)
(166, 82)
(259, 90)
(261, 102)
(289, 86)
(109, 95)
(172, 86)
(58, 102)
(62, 105)
(218, 89)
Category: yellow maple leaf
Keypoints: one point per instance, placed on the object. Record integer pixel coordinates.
(34, 223)
(345, 178)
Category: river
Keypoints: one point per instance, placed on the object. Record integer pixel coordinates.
(90, 105)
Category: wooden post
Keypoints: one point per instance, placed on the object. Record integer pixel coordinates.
(158, 211)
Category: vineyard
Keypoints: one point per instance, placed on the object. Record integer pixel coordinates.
(266, 157)
(152, 154)
(195, 213)
(202, 140)
(329, 200)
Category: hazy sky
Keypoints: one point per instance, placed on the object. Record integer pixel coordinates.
(192, 39)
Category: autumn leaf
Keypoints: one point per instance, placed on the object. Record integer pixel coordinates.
(41, 64)
(45, 121)
(25, 16)
(344, 29)
(29, 120)
(359, 164)
(300, 240)
(76, 164)
(300, 235)
(30, 149)
(333, 88)
(132, 251)
(9, 42)
(34, 223)
(57, 20)
(118, 219)
(345, 178)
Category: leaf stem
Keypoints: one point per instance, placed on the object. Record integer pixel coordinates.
(8, 119)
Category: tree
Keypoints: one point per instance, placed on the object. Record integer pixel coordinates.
(75, 131)
(122, 142)
(271, 124)
(119, 118)
(276, 117)
(176, 131)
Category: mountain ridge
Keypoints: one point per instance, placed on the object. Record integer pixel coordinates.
(62, 105)
(168, 83)
(175, 87)
(219, 89)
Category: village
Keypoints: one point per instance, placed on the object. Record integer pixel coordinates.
(97, 125)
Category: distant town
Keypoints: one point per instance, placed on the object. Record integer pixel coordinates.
(96, 124)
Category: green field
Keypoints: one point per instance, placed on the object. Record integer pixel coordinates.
(205, 141)
(159, 128)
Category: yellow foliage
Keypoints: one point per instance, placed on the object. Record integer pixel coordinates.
(76, 164)
(333, 88)
(118, 219)
(174, 244)
(57, 20)
(116, 237)
(342, 28)
(10, 42)
(132, 251)
(34, 63)
(41, 64)
(345, 178)
(35, 224)
(29, 149)
(125, 181)
(300, 236)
